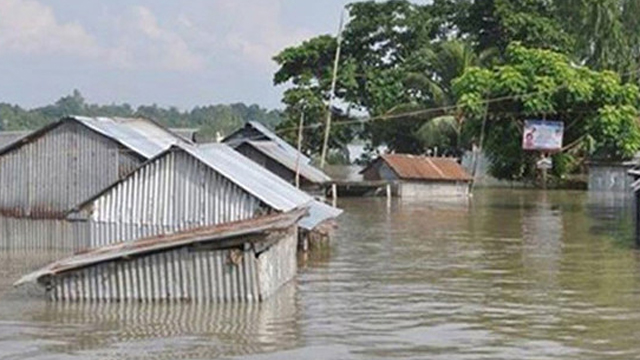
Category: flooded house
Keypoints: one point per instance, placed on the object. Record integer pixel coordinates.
(265, 148)
(47, 172)
(608, 176)
(420, 177)
(187, 187)
(244, 261)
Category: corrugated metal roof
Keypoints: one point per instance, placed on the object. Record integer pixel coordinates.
(281, 142)
(319, 212)
(140, 135)
(9, 137)
(260, 182)
(165, 242)
(288, 160)
(414, 167)
(186, 133)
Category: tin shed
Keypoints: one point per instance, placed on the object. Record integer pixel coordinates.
(265, 148)
(50, 170)
(420, 177)
(187, 187)
(244, 261)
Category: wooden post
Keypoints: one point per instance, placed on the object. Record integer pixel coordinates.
(544, 172)
(388, 195)
(334, 194)
(300, 127)
(636, 197)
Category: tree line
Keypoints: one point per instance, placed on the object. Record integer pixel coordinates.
(454, 74)
(211, 119)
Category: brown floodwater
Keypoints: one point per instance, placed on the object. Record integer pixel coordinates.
(510, 274)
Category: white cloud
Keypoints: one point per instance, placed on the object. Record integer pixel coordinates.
(164, 47)
(251, 30)
(28, 27)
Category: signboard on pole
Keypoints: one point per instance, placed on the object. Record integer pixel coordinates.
(542, 135)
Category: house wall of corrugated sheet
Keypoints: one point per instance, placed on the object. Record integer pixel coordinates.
(51, 174)
(25, 235)
(426, 190)
(185, 274)
(278, 265)
(176, 192)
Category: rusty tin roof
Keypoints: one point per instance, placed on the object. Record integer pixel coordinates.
(416, 167)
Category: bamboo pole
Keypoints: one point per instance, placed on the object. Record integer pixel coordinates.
(332, 93)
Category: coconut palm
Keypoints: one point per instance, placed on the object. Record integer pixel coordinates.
(432, 72)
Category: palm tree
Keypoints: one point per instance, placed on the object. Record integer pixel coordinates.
(430, 79)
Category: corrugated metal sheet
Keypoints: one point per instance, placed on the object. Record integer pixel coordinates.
(9, 137)
(187, 187)
(47, 177)
(23, 235)
(255, 179)
(186, 133)
(254, 130)
(414, 167)
(140, 135)
(244, 261)
(175, 192)
(277, 153)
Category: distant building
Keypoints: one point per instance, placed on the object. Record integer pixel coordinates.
(265, 148)
(420, 177)
(610, 176)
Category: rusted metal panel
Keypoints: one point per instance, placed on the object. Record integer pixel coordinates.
(239, 262)
(415, 167)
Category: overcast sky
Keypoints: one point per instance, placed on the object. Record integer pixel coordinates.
(182, 53)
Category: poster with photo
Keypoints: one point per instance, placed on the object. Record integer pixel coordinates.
(542, 135)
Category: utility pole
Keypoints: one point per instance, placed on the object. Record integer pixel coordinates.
(332, 93)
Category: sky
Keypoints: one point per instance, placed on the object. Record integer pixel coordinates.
(171, 53)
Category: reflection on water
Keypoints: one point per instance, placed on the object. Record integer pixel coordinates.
(509, 274)
(159, 331)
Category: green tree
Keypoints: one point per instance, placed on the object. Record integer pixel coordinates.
(599, 111)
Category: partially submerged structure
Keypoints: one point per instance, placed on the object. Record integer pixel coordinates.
(265, 148)
(420, 177)
(244, 261)
(186, 187)
(610, 176)
(50, 170)
(47, 172)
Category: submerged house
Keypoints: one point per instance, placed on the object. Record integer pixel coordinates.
(50, 170)
(420, 177)
(47, 172)
(245, 261)
(265, 148)
(187, 187)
